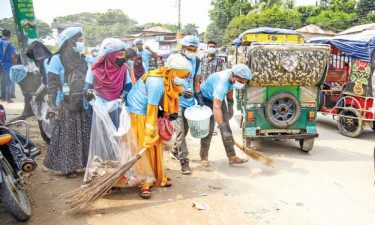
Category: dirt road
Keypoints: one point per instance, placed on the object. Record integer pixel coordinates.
(333, 184)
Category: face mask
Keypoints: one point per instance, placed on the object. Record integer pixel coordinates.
(178, 81)
(189, 55)
(130, 62)
(212, 50)
(79, 47)
(94, 54)
(238, 85)
(120, 61)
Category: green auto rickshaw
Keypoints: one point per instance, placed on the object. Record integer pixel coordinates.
(281, 100)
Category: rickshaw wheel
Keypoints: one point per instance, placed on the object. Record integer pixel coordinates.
(306, 144)
(348, 126)
(373, 126)
(283, 109)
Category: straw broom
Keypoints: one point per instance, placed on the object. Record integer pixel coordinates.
(81, 199)
(256, 155)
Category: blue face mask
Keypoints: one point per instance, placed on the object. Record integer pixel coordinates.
(178, 81)
(212, 50)
(79, 47)
(189, 55)
(130, 62)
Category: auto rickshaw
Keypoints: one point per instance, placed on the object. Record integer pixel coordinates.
(280, 101)
(348, 92)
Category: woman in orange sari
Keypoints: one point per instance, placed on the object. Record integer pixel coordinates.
(163, 84)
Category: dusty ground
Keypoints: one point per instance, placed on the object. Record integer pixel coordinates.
(333, 184)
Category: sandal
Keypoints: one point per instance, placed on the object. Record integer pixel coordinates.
(204, 163)
(145, 193)
(169, 183)
(72, 174)
(112, 190)
(237, 160)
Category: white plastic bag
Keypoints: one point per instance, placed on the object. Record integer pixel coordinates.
(111, 143)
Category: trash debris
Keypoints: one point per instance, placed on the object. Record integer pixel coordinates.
(299, 204)
(200, 206)
(231, 194)
(204, 194)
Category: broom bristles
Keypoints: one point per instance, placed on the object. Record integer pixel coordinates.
(81, 199)
(256, 155)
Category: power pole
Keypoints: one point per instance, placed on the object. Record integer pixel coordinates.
(179, 33)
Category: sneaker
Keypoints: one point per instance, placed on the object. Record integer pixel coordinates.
(185, 169)
(10, 101)
(13, 97)
(173, 155)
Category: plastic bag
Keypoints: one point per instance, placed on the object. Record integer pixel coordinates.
(40, 111)
(113, 143)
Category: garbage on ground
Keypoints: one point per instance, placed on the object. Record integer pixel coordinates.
(200, 206)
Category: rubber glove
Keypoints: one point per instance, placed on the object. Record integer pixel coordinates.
(90, 94)
(228, 136)
(187, 93)
(199, 97)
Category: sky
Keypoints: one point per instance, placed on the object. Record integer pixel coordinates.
(143, 11)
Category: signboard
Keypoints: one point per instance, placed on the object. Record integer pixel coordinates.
(179, 36)
(24, 13)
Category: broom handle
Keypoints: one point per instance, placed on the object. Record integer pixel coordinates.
(142, 151)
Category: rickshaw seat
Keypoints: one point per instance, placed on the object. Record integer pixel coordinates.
(5, 138)
(332, 92)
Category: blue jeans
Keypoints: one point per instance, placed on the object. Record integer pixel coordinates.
(6, 86)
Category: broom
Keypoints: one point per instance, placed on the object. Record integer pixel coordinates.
(256, 155)
(81, 199)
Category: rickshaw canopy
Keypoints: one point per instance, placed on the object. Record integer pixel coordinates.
(360, 45)
(268, 34)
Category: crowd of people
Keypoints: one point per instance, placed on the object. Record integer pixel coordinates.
(117, 72)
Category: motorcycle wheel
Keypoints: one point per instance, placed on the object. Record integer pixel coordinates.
(43, 133)
(14, 199)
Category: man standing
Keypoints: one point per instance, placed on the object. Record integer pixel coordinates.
(211, 63)
(190, 88)
(7, 60)
(145, 53)
(214, 90)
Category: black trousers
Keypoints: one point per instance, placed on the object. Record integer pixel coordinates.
(205, 142)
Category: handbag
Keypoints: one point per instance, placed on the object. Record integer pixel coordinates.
(165, 128)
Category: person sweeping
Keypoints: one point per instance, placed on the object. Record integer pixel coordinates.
(161, 85)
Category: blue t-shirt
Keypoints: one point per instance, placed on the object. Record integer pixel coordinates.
(189, 84)
(145, 55)
(12, 51)
(55, 66)
(139, 98)
(217, 85)
(91, 60)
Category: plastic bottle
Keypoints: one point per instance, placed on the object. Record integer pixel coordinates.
(66, 89)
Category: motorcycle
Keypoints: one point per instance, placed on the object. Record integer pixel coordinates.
(17, 155)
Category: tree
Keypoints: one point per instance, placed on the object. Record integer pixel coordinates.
(289, 4)
(98, 26)
(190, 29)
(271, 17)
(364, 7)
(346, 6)
(308, 11)
(168, 26)
(335, 21)
(261, 5)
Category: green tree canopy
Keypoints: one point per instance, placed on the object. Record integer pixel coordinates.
(273, 17)
(168, 26)
(190, 29)
(98, 26)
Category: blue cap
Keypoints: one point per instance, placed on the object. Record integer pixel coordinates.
(68, 33)
(138, 40)
(241, 70)
(190, 41)
(17, 73)
(111, 45)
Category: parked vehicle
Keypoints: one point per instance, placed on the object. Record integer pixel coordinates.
(16, 158)
(348, 92)
(280, 102)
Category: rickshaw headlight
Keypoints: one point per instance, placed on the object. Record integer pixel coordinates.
(250, 117)
(311, 116)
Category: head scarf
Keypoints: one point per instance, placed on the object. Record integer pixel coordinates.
(138, 68)
(109, 78)
(171, 90)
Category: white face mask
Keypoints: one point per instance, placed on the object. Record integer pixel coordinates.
(212, 50)
(238, 85)
(178, 81)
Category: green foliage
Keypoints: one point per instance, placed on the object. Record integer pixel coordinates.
(335, 21)
(308, 11)
(274, 17)
(364, 7)
(190, 29)
(98, 26)
(346, 6)
(168, 26)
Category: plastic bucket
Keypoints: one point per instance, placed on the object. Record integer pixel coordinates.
(198, 118)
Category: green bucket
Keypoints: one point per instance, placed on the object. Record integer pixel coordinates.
(199, 120)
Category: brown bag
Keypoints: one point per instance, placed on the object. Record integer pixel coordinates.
(165, 128)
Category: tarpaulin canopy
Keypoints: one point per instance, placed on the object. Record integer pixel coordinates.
(264, 30)
(359, 45)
